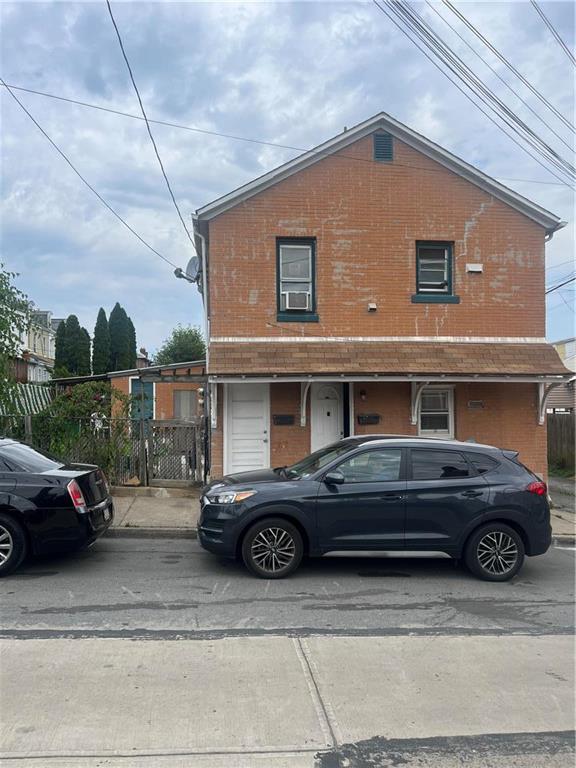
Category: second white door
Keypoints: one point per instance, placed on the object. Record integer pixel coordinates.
(326, 414)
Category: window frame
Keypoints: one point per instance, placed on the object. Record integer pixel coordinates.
(177, 394)
(435, 295)
(435, 432)
(401, 470)
(410, 465)
(296, 315)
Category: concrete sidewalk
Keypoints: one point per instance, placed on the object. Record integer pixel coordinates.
(175, 511)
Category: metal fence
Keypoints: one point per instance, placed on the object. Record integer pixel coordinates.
(130, 451)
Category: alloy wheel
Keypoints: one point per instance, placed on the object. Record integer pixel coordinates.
(6, 545)
(497, 553)
(273, 549)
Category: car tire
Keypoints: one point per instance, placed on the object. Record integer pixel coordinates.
(272, 548)
(13, 544)
(495, 552)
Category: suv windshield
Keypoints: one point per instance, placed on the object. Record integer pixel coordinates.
(318, 459)
(29, 459)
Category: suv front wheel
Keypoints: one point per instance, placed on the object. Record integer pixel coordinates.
(272, 548)
(495, 552)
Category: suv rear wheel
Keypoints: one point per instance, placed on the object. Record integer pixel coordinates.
(12, 544)
(495, 552)
(272, 548)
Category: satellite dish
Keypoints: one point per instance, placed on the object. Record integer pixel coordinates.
(193, 268)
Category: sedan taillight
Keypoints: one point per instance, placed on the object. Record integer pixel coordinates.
(538, 487)
(77, 497)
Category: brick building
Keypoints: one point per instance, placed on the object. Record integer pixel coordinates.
(375, 284)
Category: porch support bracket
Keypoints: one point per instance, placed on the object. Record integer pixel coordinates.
(417, 389)
(543, 394)
(304, 388)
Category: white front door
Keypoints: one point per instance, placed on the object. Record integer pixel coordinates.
(247, 427)
(325, 414)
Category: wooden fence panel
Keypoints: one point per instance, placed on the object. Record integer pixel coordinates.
(561, 439)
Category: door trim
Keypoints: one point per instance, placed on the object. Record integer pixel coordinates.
(338, 387)
(225, 435)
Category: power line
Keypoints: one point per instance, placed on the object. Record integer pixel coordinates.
(148, 125)
(450, 59)
(505, 61)
(87, 183)
(548, 23)
(498, 75)
(399, 23)
(241, 138)
(555, 288)
(561, 264)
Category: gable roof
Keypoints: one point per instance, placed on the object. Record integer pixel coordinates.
(384, 122)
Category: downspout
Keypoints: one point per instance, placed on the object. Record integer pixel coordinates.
(207, 394)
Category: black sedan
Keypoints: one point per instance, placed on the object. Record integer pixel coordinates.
(47, 506)
(377, 493)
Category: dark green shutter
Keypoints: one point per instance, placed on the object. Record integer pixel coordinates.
(383, 149)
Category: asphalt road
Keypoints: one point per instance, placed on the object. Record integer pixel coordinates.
(143, 651)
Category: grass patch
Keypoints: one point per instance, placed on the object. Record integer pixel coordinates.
(557, 470)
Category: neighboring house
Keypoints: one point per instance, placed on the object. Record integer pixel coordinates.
(167, 391)
(562, 399)
(142, 359)
(375, 284)
(36, 359)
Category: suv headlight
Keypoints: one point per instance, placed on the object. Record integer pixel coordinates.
(230, 497)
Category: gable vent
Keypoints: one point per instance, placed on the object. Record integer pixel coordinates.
(383, 149)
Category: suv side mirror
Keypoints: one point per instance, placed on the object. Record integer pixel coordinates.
(334, 478)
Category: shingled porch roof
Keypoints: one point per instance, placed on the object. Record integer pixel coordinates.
(357, 358)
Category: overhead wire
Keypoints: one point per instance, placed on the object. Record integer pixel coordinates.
(554, 32)
(498, 75)
(507, 64)
(83, 179)
(148, 126)
(476, 85)
(243, 138)
(560, 285)
(464, 93)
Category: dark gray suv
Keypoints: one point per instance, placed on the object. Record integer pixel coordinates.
(474, 502)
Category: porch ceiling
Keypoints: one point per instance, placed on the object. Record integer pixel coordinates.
(384, 358)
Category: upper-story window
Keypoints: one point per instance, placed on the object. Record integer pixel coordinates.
(296, 280)
(434, 273)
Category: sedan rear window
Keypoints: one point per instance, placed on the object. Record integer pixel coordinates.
(28, 459)
(439, 465)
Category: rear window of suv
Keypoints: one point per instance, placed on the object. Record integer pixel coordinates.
(23, 457)
(439, 465)
(481, 463)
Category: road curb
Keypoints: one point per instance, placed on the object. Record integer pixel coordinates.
(564, 541)
(128, 532)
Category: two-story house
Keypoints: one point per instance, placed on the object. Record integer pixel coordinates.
(376, 283)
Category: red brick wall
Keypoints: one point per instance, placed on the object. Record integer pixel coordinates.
(288, 443)
(367, 217)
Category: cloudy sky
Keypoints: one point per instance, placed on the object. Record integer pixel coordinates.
(288, 73)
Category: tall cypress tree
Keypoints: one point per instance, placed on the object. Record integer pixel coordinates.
(60, 367)
(101, 344)
(119, 339)
(83, 366)
(73, 345)
(132, 343)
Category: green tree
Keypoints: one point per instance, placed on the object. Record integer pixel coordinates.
(186, 344)
(132, 343)
(72, 344)
(14, 323)
(60, 366)
(101, 344)
(119, 339)
(83, 363)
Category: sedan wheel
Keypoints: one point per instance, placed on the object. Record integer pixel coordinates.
(272, 549)
(495, 552)
(12, 544)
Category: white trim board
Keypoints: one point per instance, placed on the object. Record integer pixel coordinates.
(347, 339)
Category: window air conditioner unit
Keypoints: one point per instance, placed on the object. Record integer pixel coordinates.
(297, 300)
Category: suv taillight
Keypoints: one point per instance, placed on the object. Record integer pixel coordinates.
(77, 497)
(537, 487)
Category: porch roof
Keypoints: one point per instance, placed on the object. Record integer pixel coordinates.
(359, 358)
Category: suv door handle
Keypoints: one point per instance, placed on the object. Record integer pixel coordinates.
(392, 497)
(472, 494)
